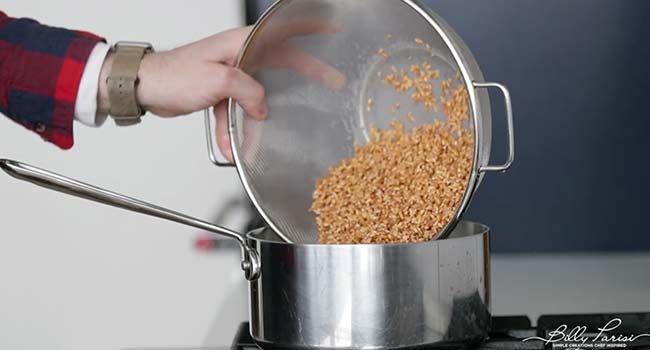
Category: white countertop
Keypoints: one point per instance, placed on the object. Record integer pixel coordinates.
(570, 283)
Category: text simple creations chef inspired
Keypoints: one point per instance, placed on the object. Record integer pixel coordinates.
(577, 337)
(402, 186)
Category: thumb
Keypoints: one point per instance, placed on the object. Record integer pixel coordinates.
(249, 94)
(223, 138)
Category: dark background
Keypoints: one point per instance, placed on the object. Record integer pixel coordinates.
(579, 73)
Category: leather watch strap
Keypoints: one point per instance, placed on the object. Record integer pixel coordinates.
(122, 81)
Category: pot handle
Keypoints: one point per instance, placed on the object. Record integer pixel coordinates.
(511, 132)
(41, 177)
(209, 139)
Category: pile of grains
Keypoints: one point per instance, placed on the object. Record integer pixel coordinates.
(401, 186)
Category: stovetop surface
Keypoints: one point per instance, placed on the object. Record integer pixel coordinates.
(630, 331)
(569, 332)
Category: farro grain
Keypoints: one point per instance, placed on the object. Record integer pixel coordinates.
(401, 186)
(410, 116)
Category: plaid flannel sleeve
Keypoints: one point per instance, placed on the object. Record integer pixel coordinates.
(40, 71)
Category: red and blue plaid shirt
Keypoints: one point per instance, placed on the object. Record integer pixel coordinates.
(40, 71)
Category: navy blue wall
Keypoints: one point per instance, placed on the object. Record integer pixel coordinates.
(579, 73)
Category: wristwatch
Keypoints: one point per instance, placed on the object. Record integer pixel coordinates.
(123, 80)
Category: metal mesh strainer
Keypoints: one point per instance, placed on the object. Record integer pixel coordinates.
(318, 62)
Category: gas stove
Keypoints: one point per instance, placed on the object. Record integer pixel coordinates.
(568, 332)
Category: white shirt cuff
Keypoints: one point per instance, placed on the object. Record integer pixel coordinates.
(85, 108)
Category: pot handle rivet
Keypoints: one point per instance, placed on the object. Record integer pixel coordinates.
(251, 264)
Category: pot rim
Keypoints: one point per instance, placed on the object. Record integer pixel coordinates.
(476, 229)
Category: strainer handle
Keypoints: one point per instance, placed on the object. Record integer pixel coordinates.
(511, 132)
(210, 142)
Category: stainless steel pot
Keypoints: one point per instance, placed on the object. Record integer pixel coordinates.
(371, 296)
(315, 296)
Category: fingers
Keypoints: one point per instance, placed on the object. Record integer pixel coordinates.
(249, 94)
(304, 27)
(310, 67)
(225, 46)
(223, 138)
(222, 48)
(251, 134)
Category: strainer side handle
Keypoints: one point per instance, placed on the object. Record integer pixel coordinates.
(210, 141)
(511, 132)
(44, 178)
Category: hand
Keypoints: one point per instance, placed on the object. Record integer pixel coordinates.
(198, 76)
(201, 74)
(273, 50)
(194, 77)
